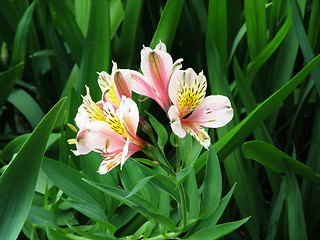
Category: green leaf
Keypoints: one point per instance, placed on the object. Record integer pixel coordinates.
(129, 32)
(81, 10)
(274, 159)
(116, 15)
(268, 50)
(131, 177)
(56, 233)
(89, 235)
(296, 222)
(193, 195)
(212, 185)
(168, 24)
(218, 231)
(27, 106)
(214, 218)
(18, 182)
(304, 43)
(225, 145)
(139, 185)
(7, 81)
(190, 150)
(160, 181)
(40, 217)
(96, 54)
(137, 203)
(183, 174)
(14, 146)
(160, 130)
(275, 214)
(69, 180)
(20, 38)
(65, 21)
(255, 15)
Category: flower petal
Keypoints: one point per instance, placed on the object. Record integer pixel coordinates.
(109, 163)
(187, 90)
(92, 109)
(214, 111)
(157, 66)
(129, 113)
(122, 80)
(199, 133)
(107, 87)
(175, 122)
(113, 120)
(124, 153)
(81, 118)
(99, 137)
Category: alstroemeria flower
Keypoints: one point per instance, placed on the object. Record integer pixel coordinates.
(115, 86)
(157, 67)
(107, 130)
(191, 110)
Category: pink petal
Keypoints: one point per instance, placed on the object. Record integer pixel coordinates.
(198, 132)
(122, 80)
(157, 67)
(174, 86)
(175, 122)
(141, 86)
(109, 163)
(100, 137)
(130, 114)
(124, 153)
(82, 118)
(214, 111)
(81, 146)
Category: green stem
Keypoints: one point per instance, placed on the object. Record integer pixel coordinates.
(168, 166)
(183, 206)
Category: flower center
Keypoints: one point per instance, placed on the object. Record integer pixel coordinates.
(190, 97)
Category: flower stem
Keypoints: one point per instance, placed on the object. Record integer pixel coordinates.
(168, 166)
(183, 206)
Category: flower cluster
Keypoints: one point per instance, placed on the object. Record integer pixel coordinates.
(110, 125)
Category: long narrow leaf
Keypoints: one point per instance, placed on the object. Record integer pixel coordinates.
(168, 23)
(96, 55)
(274, 159)
(20, 39)
(18, 182)
(7, 81)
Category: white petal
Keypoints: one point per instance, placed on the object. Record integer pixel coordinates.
(214, 111)
(129, 112)
(125, 153)
(175, 122)
(199, 134)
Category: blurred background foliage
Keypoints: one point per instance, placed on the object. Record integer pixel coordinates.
(259, 53)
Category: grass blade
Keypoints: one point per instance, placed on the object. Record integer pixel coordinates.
(7, 81)
(168, 23)
(304, 43)
(96, 55)
(296, 222)
(18, 182)
(20, 38)
(274, 159)
(225, 145)
(255, 14)
(129, 32)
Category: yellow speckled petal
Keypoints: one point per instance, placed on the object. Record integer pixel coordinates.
(92, 109)
(191, 91)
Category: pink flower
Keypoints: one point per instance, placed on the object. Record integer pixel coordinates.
(115, 86)
(157, 67)
(191, 110)
(107, 130)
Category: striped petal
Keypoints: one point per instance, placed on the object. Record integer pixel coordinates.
(214, 111)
